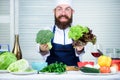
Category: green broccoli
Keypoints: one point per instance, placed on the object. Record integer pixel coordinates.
(44, 37)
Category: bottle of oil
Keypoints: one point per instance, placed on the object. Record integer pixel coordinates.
(16, 49)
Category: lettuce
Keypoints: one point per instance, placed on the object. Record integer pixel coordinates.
(76, 32)
(81, 35)
(18, 66)
(6, 58)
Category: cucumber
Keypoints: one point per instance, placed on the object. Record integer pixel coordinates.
(89, 70)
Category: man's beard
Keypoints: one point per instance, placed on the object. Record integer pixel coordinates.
(63, 25)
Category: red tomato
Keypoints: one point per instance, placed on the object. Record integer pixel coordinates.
(81, 64)
(105, 69)
(116, 62)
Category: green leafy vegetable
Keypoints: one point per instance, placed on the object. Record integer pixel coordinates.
(6, 58)
(54, 68)
(44, 37)
(19, 66)
(76, 32)
(81, 35)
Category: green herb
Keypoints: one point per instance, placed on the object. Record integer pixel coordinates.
(55, 68)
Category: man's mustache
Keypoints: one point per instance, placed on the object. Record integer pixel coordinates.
(63, 16)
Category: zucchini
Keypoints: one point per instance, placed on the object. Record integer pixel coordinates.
(89, 70)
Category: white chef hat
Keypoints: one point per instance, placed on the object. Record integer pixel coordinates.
(59, 2)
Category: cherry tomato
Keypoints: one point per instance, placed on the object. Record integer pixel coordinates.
(105, 69)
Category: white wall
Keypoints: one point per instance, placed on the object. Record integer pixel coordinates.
(4, 22)
(102, 16)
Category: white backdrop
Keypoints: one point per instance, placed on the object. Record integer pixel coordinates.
(102, 16)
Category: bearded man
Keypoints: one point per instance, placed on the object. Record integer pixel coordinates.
(62, 49)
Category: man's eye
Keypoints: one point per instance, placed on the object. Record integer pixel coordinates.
(58, 9)
(68, 9)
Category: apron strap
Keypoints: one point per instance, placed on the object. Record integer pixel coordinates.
(54, 33)
(54, 29)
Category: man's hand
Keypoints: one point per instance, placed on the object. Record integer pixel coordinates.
(79, 48)
(44, 47)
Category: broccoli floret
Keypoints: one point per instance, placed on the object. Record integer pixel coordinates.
(44, 37)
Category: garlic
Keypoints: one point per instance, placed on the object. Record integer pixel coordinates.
(113, 69)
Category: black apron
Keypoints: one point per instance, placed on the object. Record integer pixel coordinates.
(62, 53)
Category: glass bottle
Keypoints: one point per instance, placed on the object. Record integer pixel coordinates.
(16, 49)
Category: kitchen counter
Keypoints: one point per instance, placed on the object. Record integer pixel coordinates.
(72, 75)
